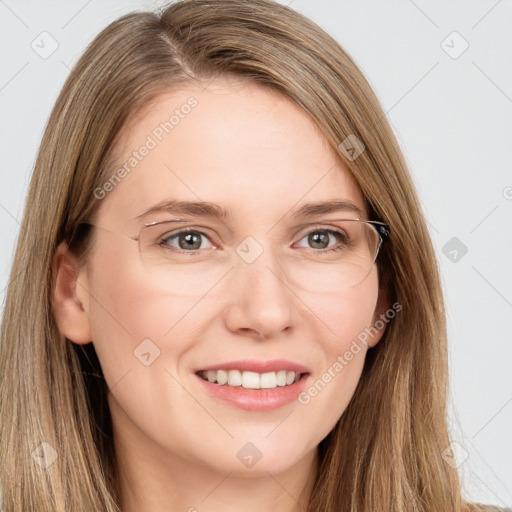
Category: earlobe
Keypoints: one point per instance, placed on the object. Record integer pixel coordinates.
(70, 311)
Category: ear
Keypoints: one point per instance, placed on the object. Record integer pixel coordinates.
(69, 296)
(380, 319)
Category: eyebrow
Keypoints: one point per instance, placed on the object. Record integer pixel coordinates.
(207, 209)
(314, 209)
(195, 208)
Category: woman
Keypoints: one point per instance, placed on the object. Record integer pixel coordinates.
(295, 358)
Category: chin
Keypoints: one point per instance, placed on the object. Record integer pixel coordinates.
(258, 457)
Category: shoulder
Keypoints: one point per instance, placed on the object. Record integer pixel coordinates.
(480, 507)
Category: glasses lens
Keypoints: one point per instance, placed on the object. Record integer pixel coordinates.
(347, 261)
(329, 258)
(181, 261)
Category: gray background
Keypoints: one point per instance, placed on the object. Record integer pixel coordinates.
(452, 113)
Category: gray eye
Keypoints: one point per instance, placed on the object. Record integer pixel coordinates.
(320, 238)
(187, 240)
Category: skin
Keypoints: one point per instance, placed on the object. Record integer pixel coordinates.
(256, 153)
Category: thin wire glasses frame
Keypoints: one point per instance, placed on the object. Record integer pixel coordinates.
(381, 228)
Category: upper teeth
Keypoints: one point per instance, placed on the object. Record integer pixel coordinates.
(251, 380)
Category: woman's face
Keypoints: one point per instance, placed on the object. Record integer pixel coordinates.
(251, 286)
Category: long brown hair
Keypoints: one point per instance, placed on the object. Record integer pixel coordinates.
(385, 452)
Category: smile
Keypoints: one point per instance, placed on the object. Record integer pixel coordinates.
(250, 380)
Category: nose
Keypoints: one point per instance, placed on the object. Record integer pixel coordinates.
(261, 301)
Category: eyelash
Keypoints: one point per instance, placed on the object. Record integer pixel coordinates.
(162, 242)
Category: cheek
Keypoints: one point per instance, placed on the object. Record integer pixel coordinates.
(345, 319)
(131, 317)
(345, 314)
(141, 336)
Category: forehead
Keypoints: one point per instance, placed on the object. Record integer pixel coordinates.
(237, 144)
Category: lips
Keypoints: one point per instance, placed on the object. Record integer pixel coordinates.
(254, 399)
(256, 366)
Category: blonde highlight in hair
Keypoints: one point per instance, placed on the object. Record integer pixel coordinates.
(385, 452)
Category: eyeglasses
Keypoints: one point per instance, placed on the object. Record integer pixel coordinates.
(177, 259)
